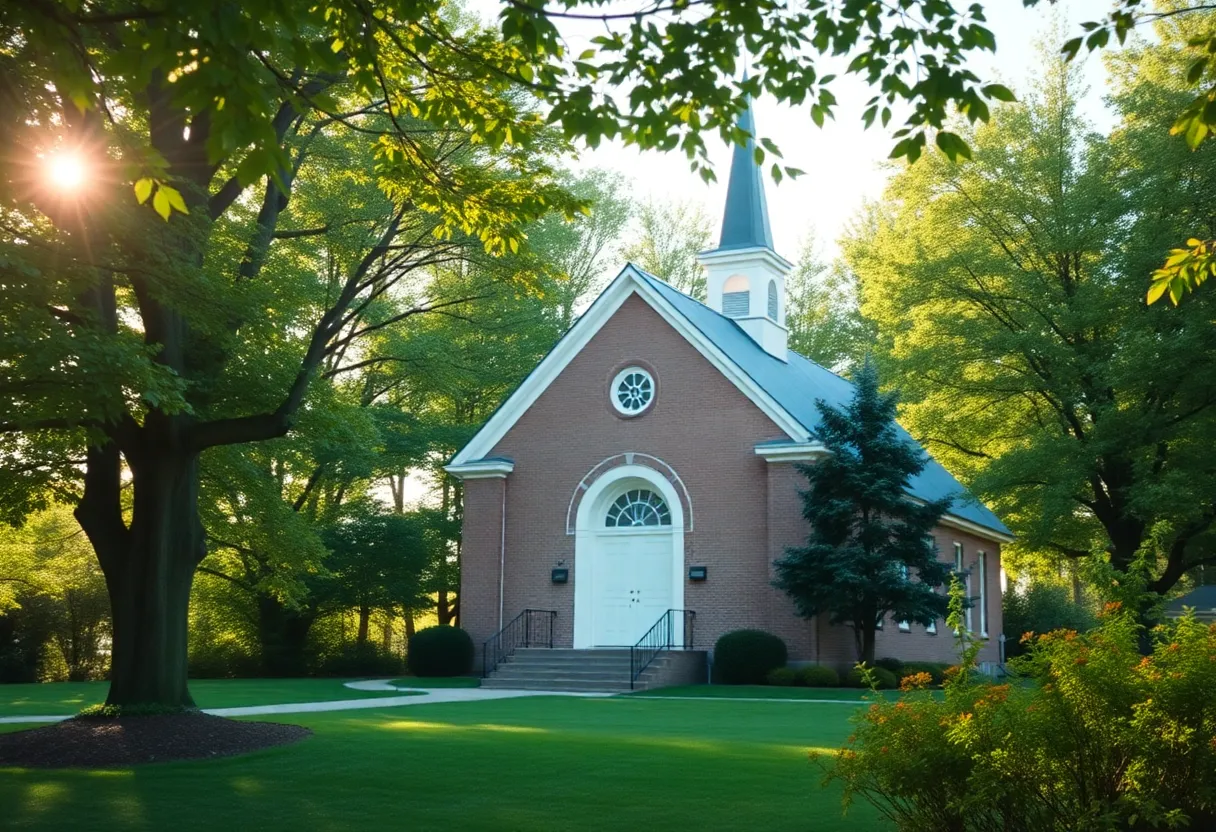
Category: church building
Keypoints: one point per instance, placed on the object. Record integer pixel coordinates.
(647, 464)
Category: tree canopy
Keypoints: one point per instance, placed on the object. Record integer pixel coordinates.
(1006, 297)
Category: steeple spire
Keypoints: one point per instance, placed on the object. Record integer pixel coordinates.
(745, 221)
(744, 276)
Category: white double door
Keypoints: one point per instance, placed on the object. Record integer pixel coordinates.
(633, 585)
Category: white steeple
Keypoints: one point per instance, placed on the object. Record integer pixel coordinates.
(745, 278)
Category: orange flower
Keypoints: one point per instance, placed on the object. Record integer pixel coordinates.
(915, 681)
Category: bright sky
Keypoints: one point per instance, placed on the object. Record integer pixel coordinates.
(843, 162)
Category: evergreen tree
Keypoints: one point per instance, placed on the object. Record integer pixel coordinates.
(869, 553)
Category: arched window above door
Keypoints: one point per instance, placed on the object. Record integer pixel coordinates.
(638, 507)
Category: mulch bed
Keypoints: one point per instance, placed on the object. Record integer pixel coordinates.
(123, 741)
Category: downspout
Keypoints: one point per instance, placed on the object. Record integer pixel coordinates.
(502, 553)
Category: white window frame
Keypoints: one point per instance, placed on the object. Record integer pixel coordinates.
(982, 565)
(958, 567)
(931, 627)
(904, 626)
(619, 379)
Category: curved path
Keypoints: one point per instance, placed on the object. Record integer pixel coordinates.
(416, 696)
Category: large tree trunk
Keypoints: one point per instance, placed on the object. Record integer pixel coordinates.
(365, 616)
(149, 572)
(865, 643)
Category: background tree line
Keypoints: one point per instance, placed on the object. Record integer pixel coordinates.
(237, 388)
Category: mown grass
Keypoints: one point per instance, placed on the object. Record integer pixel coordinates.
(60, 698)
(539, 763)
(755, 692)
(437, 682)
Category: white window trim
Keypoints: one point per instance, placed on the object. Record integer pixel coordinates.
(960, 558)
(619, 379)
(904, 626)
(982, 565)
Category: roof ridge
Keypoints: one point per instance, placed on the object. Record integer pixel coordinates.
(705, 305)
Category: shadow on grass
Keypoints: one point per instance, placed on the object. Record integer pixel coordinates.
(538, 763)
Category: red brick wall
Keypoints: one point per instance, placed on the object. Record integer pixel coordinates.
(479, 565)
(744, 511)
(838, 646)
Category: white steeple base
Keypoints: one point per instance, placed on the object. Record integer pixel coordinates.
(760, 272)
(768, 334)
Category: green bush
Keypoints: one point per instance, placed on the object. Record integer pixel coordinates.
(782, 677)
(890, 663)
(744, 657)
(818, 676)
(885, 678)
(440, 651)
(361, 660)
(1041, 609)
(936, 670)
(1100, 737)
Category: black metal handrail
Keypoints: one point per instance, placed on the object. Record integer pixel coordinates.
(662, 636)
(531, 628)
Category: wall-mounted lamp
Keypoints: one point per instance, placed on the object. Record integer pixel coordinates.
(560, 576)
(698, 573)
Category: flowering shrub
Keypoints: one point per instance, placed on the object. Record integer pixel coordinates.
(1091, 735)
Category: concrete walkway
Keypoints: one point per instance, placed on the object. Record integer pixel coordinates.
(421, 696)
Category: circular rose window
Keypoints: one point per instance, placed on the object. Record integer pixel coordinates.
(632, 391)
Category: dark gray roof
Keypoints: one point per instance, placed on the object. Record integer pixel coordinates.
(798, 383)
(745, 220)
(1202, 598)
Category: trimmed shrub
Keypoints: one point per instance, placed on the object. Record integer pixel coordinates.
(890, 663)
(744, 657)
(818, 676)
(886, 679)
(440, 651)
(782, 677)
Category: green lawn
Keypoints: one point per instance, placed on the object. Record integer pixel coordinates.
(69, 697)
(756, 692)
(451, 682)
(542, 763)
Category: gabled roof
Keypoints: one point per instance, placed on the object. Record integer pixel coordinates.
(745, 220)
(798, 383)
(784, 391)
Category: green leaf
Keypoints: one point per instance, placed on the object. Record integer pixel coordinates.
(175, 199)
(1000, 92)
(143, 189)
(953, 146)
(160, 203)
(1156, 290)
(337, 45)
(1196, 71)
